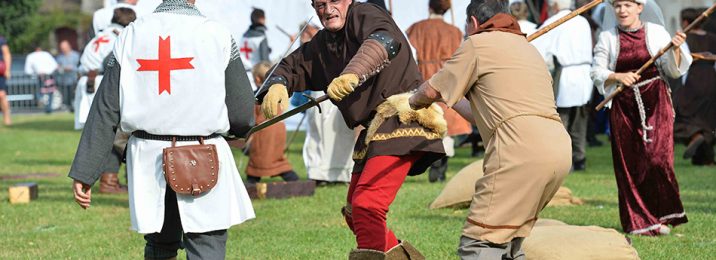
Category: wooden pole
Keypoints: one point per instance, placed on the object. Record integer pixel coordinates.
(390, 3)
(651, 61)
(562, 20)
(704, 56)
(452, 13)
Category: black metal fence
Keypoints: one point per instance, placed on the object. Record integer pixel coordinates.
(26, 93)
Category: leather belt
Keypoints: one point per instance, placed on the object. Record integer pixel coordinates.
(179, 138)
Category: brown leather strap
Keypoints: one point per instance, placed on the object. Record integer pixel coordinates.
(368, 61)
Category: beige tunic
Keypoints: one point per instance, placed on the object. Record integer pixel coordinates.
(528, 151)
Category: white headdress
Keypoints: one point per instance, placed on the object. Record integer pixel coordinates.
(652, 14)
(637, 1)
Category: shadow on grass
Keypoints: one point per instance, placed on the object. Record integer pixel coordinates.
(44, 161)
(97, 199)
(601, 203)
(55, 125)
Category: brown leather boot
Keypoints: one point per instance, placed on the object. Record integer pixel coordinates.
(404, 251)
(109, 183)
(366, 254)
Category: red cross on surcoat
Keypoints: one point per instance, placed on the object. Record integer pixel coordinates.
(246, 50)
(165, 64)
(100, 40)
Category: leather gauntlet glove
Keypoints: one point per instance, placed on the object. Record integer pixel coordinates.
(341, 86)
(275, 101)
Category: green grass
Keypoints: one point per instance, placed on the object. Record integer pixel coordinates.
(54, 227)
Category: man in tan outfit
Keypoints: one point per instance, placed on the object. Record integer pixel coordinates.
(528, 151)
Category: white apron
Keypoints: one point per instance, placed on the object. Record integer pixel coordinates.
(328, 149)
(225, 205)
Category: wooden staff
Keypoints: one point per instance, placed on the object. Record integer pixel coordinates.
(452, 13)
(704, 56)
(562, 20)
(390, 5)
(314, 102)
(651, 61)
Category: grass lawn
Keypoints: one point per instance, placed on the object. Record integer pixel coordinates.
(54, 227)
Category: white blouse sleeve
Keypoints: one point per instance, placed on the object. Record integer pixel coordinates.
(667, 62)
(600, 64)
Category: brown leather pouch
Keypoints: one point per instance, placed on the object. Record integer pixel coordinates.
(192, 169)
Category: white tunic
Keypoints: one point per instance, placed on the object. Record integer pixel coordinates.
(102, 18)
(92, 59)
(188, 100)
(606, 53)
(571, 44)
(527, 27)
(328, 149)
(40, 63)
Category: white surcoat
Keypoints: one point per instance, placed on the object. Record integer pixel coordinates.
(173, 83)
(92, 58)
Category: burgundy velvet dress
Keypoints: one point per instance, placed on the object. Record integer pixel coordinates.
(648, 190)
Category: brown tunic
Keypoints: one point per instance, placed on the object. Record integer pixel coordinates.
(266, 157)
(435, 41)
(528, 151)
(316, 63)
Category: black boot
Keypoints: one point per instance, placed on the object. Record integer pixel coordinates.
(253, 179)
(438, 169)
(579, 165)
(289, 176)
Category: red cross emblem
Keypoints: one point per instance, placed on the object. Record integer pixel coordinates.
(165, 64)
(99, 41)
(246, 50)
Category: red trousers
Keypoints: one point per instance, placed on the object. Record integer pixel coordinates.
(370, 194)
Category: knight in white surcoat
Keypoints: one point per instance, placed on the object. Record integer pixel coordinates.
(93, 60)
(253, 45)
(102, 18)
(173, 74)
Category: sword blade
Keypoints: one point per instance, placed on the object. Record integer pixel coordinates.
(288, 114)
(263, 86)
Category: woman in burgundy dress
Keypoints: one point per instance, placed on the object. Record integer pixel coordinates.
(641, 117)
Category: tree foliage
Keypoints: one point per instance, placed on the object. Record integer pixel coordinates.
(25, 27)
(14, 18)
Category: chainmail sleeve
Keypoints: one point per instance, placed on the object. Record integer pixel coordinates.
(97, 138)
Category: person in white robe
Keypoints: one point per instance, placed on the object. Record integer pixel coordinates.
(172, 74)
(92, 63)
(102, 18)
(327, 151)
(42, 65)
(520, 10)
(567, 50)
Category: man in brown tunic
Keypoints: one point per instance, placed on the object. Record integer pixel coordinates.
(528, 151)
(362, 60)
(435, 41)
